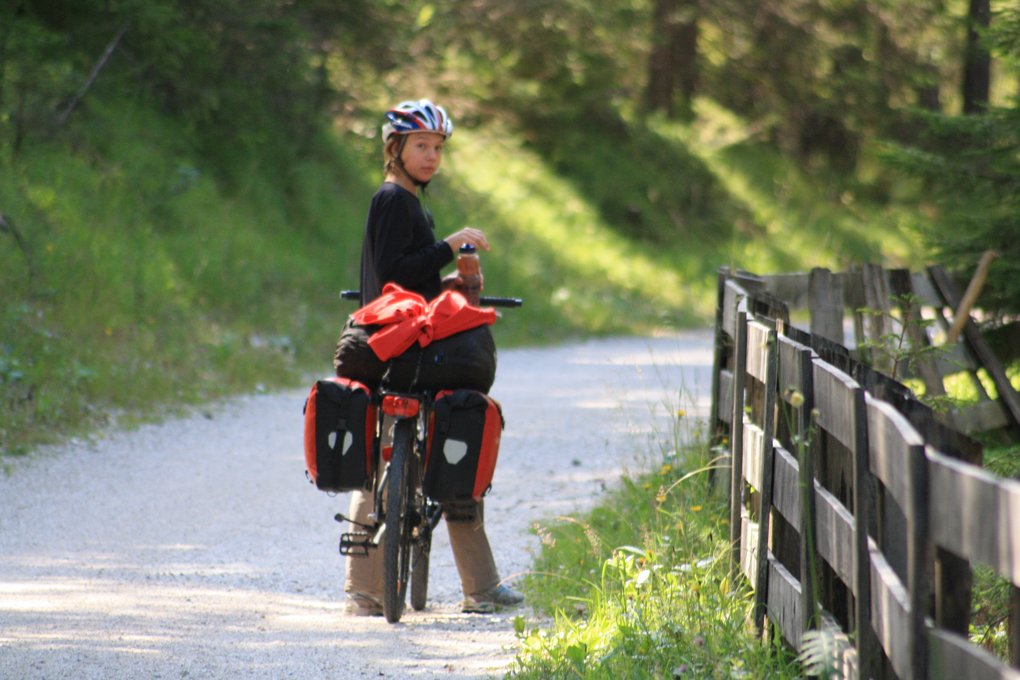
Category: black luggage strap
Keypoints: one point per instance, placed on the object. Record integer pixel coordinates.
(345, 395)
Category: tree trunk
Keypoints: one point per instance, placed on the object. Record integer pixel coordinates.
(673, 60)
(978, 61)
(685, 52)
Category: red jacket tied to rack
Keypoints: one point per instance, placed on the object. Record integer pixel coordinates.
(407, 318)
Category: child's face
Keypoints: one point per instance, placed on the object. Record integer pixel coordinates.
(422, 154)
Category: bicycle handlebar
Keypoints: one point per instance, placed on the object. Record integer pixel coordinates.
(485, 299)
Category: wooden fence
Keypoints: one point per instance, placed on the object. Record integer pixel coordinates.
(854, 507)
(916, 306)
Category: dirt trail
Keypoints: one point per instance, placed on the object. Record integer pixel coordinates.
(196, 549)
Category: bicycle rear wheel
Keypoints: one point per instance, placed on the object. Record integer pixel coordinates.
(397, 539)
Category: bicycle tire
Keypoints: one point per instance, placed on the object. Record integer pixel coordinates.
(397, 539)
(420, 573)
(421, 543)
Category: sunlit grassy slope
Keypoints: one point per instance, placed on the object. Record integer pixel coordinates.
(793, 219)
(576, 267)
(150, 277)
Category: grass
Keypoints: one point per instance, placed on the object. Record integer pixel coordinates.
(148, 277)
(640, 587)
(582, 272)
(143, 286)
(792, 216)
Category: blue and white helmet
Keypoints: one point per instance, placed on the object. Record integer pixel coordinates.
(416, 116)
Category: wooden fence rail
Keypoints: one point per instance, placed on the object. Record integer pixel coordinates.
(853, 506)
(884, 302)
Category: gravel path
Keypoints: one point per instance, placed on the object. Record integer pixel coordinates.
(196, 549)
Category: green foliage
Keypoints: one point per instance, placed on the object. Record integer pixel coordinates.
(142, 285)
(895, 348)
(970, 181)
(581, 271)
(682, 201)
(989, 623)
(168, 180)
(826, 654)
(786, 218)
(640, 587)
(245, 79)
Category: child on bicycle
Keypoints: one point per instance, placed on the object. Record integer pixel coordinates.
(400, 246)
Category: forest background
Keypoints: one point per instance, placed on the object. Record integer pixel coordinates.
(183, 184)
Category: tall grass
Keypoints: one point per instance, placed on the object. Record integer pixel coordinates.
(143, 284)
(640, 587)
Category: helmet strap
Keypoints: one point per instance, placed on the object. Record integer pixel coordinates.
(400, 164)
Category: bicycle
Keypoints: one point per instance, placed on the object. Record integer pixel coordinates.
(402, 510)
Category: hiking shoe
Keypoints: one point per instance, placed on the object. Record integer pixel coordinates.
(363, 604)
(490, 601)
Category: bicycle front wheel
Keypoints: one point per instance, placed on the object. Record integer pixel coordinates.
(397, 539)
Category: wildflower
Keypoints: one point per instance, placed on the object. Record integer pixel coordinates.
(695, 508)
(680, 413)
(796, 399)
(665, 469)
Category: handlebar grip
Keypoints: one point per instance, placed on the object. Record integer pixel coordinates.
(350, 295)
(486, 301)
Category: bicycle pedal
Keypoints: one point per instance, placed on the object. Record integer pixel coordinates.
(355, 543)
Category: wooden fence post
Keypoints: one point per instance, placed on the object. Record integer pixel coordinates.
(718, 352)
(825, 302)
(717, 432)
(770, 399)
(808, 443)
(737, 440)
(899, 464)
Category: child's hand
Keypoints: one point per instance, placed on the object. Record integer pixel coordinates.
(475, 237)
(452, 281)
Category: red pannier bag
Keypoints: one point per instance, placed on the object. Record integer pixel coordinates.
(465, 427)
(340, 421)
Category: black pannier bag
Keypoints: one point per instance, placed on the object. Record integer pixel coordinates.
(465, 427)
(464, 360)
(340, 421)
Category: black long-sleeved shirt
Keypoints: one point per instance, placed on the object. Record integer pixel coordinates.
(400, 246)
